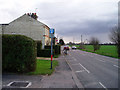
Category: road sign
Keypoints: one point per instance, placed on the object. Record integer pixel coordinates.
(52, 31)
(51, 35)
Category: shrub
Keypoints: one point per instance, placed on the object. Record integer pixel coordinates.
(19, 53)
(45, 53)
(57, 49)
(39, 47)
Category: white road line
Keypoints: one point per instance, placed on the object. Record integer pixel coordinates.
(102, 85)
(85, 68)
(100, 60)
(116, 66)
(75, 64)
(80, 71)
(70, 60)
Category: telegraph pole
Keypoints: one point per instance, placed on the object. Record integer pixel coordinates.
(81, 39)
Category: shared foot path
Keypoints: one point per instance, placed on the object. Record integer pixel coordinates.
(62, 77)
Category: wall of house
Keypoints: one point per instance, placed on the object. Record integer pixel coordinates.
(27, 26)
(47, 39)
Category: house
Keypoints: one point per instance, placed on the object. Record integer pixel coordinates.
(28, 25)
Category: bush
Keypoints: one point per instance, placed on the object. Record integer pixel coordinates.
(19, 53)
(45, 53)
(39, 47)
(57, 49)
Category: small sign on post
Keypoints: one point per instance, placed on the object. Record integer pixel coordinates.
(51, 33)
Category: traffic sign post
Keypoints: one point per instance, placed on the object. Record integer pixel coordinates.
(51, 52)
(51, 32)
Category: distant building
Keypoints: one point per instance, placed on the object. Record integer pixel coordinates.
(28, 25)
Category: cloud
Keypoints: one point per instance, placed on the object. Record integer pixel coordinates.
(70, 18)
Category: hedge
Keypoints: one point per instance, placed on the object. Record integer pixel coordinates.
(45, 53)
(57, 49)
(39, 47)
(19, 53)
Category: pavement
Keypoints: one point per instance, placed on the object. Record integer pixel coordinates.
(63, 77)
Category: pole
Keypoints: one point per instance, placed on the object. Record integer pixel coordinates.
(81, 39)
(51, 51)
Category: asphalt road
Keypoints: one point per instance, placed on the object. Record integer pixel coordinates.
(93, 70)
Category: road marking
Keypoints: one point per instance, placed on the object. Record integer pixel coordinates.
(75, 64)
(85, 68)
(70, 60)
(100, 60)
(116, 66)
(102, 85)
(80, 71)
(29, 83)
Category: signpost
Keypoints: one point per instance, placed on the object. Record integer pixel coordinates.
(51, 33)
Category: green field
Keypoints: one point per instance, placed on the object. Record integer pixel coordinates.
(43, 67)
(107, 50)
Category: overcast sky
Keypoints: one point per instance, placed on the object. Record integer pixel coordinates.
(70, 18)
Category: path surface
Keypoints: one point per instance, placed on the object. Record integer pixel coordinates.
(94, 71)
(62, 77)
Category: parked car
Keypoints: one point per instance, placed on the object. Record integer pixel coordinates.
(74, 47)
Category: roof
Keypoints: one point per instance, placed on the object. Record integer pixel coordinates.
(26, 15)
(4, 24)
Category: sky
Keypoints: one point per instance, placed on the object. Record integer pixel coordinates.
(69, 18)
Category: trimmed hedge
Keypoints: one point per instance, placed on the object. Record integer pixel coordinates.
(19, 53)
(44, 53)
(39, 47)
(57, 49)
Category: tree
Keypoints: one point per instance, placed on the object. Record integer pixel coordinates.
(115, 37)
(61, 42)
(95, 42)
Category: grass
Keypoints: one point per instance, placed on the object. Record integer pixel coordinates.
(56, 56)
(107, 50)
(43, 67)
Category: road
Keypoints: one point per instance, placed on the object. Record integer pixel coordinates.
(93, 70)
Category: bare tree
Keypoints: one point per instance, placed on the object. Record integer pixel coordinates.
(115, 37)
(95, 42)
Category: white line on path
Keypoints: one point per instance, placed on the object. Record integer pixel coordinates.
(85, 68)
(75, 64)
(102, 85)
(116, 66)
(80, 71)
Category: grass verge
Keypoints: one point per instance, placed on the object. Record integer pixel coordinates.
(106, 50)
(43, 67)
